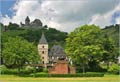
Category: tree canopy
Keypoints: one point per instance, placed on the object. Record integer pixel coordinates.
(16, 51)
(85, 46)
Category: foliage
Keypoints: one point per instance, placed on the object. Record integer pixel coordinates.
(16, 51)
(45, 70)
(12, 26)
(113, 32)
(88, 46)
(5, 70)
(53, 36)
(14, 71)
(30, 69)
(114, 69)
(67, 75)
(83, 45)
(110, 51)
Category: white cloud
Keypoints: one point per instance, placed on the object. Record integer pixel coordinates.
(5, 19)
(65, 15)
(118, 20)
(106, 18)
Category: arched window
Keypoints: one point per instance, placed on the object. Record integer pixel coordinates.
(42, 46)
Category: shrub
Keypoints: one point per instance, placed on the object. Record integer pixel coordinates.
(114, 69)
(26, 70)
(5, 70)
(45, 70)
(29, 69)
(66, 75)
(71, 75)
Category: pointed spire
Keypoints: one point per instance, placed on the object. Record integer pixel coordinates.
(27, 19)
(43, 39)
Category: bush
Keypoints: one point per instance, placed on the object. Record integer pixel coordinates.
(71, 75)
(45, 70)
(66, 75)
(5, 70)
(114, 69)
(28, 69)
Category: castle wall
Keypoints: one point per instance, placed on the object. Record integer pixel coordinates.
(61, 67)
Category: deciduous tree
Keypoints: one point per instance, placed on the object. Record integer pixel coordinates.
(16, 51)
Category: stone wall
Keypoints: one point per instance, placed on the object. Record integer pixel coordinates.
(61, 67)
(72, 70)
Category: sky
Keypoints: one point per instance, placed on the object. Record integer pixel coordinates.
(60, 14)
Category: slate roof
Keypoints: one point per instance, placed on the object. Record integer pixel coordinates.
(43, 39)
(57, 51)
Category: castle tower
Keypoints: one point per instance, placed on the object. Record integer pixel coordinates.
(27, 21)
(43, 49)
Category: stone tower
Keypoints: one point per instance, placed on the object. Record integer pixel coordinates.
(27, 21)
(43, 49)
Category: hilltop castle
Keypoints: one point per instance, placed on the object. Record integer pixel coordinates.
(32, 24)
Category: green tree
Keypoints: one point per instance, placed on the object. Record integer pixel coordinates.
(13, 26)
(110, 50)
(16, 51)
(84, 45)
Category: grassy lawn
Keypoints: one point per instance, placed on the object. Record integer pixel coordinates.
(13, 78)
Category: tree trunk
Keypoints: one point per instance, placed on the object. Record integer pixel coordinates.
(19, 70)
(34, 71)
(83, 67)
(107, 65)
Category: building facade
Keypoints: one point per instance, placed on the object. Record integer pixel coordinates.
(43, 50)
(55, 58)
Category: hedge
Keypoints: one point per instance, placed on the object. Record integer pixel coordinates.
(66, 75)
(25, 70)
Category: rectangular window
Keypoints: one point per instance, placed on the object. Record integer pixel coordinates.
(42, 52)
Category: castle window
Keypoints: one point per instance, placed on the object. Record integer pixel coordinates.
(43, 62)
(42, 57)
(42, 46)
(52, 57)
(42, 52)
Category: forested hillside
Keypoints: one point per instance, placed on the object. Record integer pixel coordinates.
(113, 32)
(53, 36)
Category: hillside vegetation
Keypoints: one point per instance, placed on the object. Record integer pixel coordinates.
(113, 32)
(87, 45)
